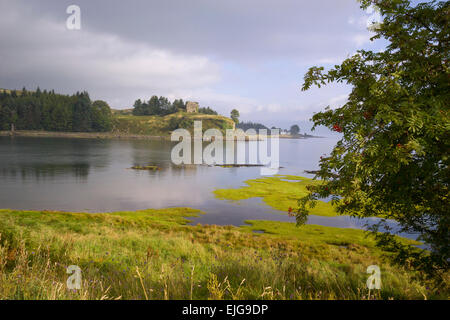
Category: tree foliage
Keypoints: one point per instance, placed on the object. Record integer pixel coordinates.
(392, 159)
(157, 106)
(102, 118)
(235, 116)
(207, 110)
(180, 123)
(46, 110)
(295, 129)
(179, 104)
(251, 125)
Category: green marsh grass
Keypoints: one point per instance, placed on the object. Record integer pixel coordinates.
(279, 192)
(154, 254)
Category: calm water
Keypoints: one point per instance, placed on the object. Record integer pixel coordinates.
(91, 175)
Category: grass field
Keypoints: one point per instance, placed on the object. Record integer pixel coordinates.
(153, 254)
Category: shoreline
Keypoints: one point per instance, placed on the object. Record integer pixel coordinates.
(102, 135)
(299, 137)
(80, 135)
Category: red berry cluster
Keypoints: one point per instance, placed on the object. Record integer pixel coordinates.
(337, 128)
(290, 213)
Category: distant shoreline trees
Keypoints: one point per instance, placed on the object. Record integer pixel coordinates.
(47, 110)
(235, 115)
(251, 125)
(295, 130)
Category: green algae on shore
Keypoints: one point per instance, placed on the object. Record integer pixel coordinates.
(280, 192)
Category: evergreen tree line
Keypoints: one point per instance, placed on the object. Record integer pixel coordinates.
(251, 125)
(46, 110)
(157, 106)
(162, 106)
(207, 110)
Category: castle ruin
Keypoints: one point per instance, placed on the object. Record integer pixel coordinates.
(192, 107)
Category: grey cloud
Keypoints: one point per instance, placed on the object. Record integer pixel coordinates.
(227, 29)
(43, 52)
(208, 50)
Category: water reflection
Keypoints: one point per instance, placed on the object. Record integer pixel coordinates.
(93, 175)
(37, 159)
(45, 171)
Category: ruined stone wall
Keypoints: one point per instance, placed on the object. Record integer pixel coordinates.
(192, 107)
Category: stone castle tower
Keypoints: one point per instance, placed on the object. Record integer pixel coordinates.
(192, 107)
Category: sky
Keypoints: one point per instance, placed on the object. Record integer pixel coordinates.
(245, 54)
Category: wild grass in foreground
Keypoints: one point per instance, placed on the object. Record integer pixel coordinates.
(153, 254)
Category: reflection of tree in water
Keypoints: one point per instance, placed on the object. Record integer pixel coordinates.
(47, 170)
(183, 170)
(49, 158)
(158, 153)
(150, 153)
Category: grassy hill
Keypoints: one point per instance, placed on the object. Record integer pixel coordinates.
(126, 123)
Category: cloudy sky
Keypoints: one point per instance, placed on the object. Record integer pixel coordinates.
(244, 54)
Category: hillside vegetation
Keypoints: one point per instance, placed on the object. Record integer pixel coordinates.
(50, 111)
(47, 111)
(163, 125)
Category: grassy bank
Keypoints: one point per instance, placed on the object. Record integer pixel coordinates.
(153, 254)
(81, 135)
(127, 126)
(163, 125)
(280, 192)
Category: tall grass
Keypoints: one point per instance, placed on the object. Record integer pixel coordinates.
(151, 254)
